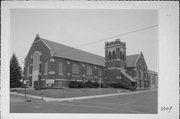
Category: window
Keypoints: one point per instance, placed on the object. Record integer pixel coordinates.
(109, 55)
(46, 68)
(123, 55)
(114, 55)
(120, 55)
(138, 67)
(99, 72)
(89, 70)
(28, 71)
(60, 68)
(75, 69)
(36, 59)
(142, 74)
(31, 69)
(40, 68)
(136, 73)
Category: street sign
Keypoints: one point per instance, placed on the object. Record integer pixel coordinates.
(24, 82)
(50, 81)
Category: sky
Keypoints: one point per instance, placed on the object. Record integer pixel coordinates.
(74, 27)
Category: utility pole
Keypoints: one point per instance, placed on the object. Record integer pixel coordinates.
(25, 88)
(24, 81)
(99, 83)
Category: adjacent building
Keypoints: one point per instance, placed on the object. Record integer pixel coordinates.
(153, 79)
(50, 64)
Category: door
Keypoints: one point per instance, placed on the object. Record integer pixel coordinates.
(35, 85)
(60, 84)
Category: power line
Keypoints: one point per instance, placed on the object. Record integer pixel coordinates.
(138, 30)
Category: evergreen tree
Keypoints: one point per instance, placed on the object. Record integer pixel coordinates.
(15, 72)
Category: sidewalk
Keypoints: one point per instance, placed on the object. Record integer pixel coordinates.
(47, 99)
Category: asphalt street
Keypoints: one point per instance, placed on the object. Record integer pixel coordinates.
(141, 103)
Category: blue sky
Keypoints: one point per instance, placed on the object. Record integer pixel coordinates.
(74, 27)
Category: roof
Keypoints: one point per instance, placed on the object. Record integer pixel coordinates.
(64, 51)
(152, 72)
(68, 52)
(127, 75)
(131, 60)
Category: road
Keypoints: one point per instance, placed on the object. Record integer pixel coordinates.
(141, 103)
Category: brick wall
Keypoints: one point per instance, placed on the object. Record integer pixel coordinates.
(66, 76)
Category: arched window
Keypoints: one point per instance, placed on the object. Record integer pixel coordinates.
(40, 64)
(60, 68)
(136, 73)
(114, 55)
(120, 55)
(99, 72)
(139, 74)
(124, 55)
(75, 69)
(89, 71)
(28, 71)
(36, 59)
(46, 68)
(142, 74)
(109, 55)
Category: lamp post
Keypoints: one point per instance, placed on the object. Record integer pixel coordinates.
(24, 88)
(100, 86)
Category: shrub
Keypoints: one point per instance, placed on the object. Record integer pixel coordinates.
(89, 84)
(75, 84)
(96, 85)
(117, 85)
(80, 84)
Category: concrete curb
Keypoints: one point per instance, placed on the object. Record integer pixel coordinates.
(47, 99)
(27, 95)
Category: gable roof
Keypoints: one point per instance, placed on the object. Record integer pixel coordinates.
(68, 52)
(131, 60)
(64, 51)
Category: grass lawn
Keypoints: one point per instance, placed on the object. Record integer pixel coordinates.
(72, 92)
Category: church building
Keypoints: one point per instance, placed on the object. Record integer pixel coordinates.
(52, 65)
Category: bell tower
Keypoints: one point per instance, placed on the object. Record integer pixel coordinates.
(115, 56)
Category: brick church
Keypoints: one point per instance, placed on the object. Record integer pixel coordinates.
(52, 65)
